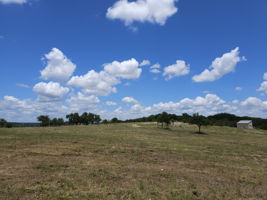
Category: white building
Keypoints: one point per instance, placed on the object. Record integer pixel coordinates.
(247, 124)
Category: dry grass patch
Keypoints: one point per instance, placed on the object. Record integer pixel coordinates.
(133, 161)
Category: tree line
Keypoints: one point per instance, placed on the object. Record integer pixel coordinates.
(165, 119)
(73, 119)
(221, 119)
(5, 124)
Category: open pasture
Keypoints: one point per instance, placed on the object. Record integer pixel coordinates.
(133, 161)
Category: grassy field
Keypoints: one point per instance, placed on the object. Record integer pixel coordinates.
(133, 161)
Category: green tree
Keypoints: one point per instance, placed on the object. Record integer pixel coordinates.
(3, 123)
(70, 118)
(105, 121)
(57, 122)
(114, 120)
(84, 118)
(74, 118)
(44, 120)
(60, 121)
(199, 120)
(97, 119)
(91, 117)
(165, 119)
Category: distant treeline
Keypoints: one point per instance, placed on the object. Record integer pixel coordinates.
(5, 124)
(222, 119)
(73, 119)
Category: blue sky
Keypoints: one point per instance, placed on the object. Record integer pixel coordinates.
(211, 57)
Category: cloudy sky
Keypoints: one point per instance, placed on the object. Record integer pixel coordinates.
(127, 59)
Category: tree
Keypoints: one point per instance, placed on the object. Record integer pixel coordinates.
(115, 120)
(73, 118)
(3, 123)
(70, 118)
(91, 117)
(165, 119)
(97, 119)
(76, 118)
(60, 121)
(57, 122)
(84, 118)
(105, 121)
(44, 119)
(199, 120)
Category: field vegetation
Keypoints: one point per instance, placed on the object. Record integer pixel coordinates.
(133, 161)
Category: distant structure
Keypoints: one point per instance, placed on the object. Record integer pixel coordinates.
(246, 124)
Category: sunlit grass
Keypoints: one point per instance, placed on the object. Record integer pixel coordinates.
(132, 161)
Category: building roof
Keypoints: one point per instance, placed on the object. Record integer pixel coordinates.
(244, 122)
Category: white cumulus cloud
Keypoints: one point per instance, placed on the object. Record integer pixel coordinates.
(263, 87)
(58, 68)
(128, 69)
(82, 103)
(14, 109)
(50, 91)
(220, 67)
(175, 70)
(153, 11)
(145, 63)
(100, 84)
(129, 100)
(155, 69)
(253, 105)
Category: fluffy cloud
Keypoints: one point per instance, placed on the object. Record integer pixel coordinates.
(82, 103)
(263, 87)
(100, 84)
(145, 63)
(58, 68)
(50, 91)
(14, 109)
(155, 69)
(153, 11)
(175, 70)
(136, 107)
(26, 110)
(13, 1)
(253, 106)
(220, 66)
(127, 69)
(129, 100)
(208, 105)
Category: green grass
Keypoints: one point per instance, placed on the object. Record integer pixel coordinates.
(133, 161)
